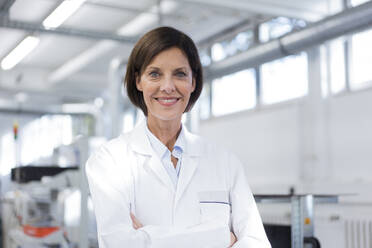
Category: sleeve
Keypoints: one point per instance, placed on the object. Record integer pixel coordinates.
(114, 226)
(246, 221)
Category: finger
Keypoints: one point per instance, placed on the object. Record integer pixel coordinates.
(133, 218)
(135, 222)
(232, 239)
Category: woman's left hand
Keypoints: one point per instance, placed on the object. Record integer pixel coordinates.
(233, 239)
(135, 222)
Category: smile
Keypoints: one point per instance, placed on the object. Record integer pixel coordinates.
(167, 101)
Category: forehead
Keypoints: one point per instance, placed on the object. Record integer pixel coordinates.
(170, 58)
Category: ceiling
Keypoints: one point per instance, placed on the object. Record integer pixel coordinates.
(66, 68)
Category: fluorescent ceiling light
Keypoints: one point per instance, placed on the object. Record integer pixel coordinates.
(62, 12)
(19, 52)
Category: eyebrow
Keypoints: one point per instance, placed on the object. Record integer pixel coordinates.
(157, 68)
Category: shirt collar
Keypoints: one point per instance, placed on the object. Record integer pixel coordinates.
(161, 149)
(139, 141)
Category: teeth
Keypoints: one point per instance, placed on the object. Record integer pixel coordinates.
(168, 100)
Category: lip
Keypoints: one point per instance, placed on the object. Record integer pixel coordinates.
(167, 101)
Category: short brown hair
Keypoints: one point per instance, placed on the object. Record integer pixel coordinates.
(150, 45)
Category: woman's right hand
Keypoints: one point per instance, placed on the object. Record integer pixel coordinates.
(135, 222)
(232, 239)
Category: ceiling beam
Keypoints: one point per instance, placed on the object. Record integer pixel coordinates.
(80, 61)
(33, 80)
(34, 27)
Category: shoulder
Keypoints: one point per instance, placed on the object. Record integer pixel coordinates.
(222, 155)
(213, 148)
(109, 154)
(198, 145)
(112, 147)
(108, 168)
(212, 151)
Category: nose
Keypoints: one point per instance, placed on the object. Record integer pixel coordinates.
(167, 85)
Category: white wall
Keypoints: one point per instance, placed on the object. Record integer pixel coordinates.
(266, 141)
(351, 137)
(269, 141)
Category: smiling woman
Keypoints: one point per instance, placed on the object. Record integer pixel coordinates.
(159, 185)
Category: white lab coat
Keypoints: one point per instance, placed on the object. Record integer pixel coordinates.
(212, 196)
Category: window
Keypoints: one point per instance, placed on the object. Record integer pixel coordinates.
(358, 2)
(205, 102)
(234, 93)
(337, 65)
(218, 52)
(278, 27)
(50, 132)
(361, 59)
(284, 79)
(205, 59)
(241, 42)
(324, 83)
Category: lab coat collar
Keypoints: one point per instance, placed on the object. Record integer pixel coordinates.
(141, 144)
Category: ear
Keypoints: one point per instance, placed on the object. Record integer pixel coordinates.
(193, 84)
(138, 83)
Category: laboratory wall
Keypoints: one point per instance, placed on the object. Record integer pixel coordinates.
(269, 141)
(265, 140)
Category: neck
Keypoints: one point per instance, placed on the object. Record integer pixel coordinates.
(166, 131)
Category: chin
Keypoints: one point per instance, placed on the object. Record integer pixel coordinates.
(167, 116)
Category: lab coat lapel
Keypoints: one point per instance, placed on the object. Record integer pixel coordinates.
(140, 144)
(158, 169)
(190, 161)
(189, 166)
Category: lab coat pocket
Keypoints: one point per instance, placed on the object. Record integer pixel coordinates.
(214, 205)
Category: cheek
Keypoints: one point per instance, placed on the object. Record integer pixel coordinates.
(147, 98)
(148, 90)
(190, 89)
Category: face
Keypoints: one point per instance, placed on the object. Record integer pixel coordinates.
(167, 83)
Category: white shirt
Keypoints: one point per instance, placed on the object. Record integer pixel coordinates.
(165, 155)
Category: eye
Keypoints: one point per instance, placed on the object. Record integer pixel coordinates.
(154, 74)
(181, 74)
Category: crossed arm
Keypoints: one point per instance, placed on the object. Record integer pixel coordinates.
(137, 225)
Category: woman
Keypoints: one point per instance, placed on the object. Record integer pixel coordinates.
(159, 185)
